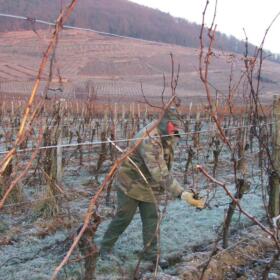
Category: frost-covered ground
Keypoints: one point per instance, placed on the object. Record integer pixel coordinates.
(30, 257)
(182, 227)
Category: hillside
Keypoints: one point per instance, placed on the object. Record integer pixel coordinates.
(119, 17)
(115, 67)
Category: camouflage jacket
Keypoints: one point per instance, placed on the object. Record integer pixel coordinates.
(154, 157)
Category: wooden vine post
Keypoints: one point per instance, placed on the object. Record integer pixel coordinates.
(59, 151)
(274, 183)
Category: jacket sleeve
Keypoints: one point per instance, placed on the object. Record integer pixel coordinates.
(151, 151)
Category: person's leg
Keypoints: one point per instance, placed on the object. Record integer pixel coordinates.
(125, 211)
(149, 218)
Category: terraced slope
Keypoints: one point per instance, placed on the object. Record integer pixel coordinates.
(115, 67)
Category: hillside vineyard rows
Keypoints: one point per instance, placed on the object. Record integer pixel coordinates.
(52, 199)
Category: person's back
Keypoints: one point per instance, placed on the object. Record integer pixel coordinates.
(152, 160)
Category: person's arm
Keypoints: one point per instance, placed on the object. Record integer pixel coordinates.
(151, 151)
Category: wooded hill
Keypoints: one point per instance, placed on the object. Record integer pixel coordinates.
(119, 17)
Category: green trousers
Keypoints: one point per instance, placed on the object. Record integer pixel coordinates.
(126, 209)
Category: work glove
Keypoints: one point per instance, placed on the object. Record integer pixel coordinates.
(193, 199)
